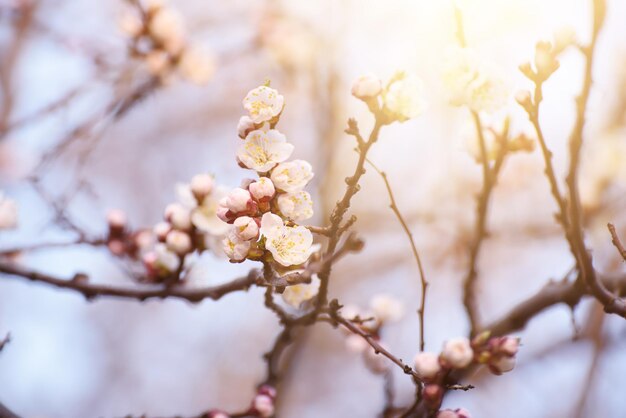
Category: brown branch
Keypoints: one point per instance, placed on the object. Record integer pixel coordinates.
(616, 241)
(409, 234)
(6, 412)
(5, 341)
(92, 290)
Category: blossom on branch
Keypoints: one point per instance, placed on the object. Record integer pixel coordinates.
(289, 245)
(263, 149)
(263, 104)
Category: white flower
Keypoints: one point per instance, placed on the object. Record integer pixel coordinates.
(201, 185)
(197, 65)
(296, 206)
(244, 126)
(161, 230)
(263, 189)
(8, 212)
(167, 26)
(289, 245)
(237, 201)
(178, 242)
(157, 62)
(264, 406)
(404, 97)
(427, 365)
(386, 308)
(263, 149)
(366, 87)
(263, 103)
(246, 228)
(297, 294)
(292, 176)
(205, 216)
(472, 83)
(457, 352)
(166, 259)
(178, 216)
(235, 248)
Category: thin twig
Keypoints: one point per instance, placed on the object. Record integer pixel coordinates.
(616, 241)
(409, 234)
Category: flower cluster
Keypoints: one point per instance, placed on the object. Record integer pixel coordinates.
(383, 310)
(157, 36)
(189, 225)
(473, 83)
(264, 212)
(8, 212)
(498, 353)
(400, 100)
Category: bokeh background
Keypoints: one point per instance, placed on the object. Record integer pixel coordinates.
(109, 358)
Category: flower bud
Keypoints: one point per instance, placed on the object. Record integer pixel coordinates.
(432, 395)
(366, 87)
(263, 406)
(457, 353)
(179, 216)
(509, 346)
(217, 414)
(201, 185)
(386, 308)
(502, 364)
(224, 214)
(457, 413)
(268, 391)
(238, 201)
(245, 126)
(166, 261)
(262, 189)
(246, 228)
(178, 242)
(427, 365)
(235, 248)
(161, 230)
(117, 221)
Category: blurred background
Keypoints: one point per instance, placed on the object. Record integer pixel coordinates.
(62, 64)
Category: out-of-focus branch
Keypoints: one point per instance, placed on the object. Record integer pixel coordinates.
(81, 284)
(5, 341)
(490, 176)
(6, 412)
(409, 234)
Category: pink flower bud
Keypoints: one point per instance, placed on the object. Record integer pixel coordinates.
(238, 200)
(366, 87)
(267, 390)
(201, 185)
(245, 126)
(457, 413)
(116, 219)
(246, 228)
(161, 230)
(262, 189)
(432, 395)
(502, 365)
(509, 346)
(427, 365)
(217, 414)
(179, 216)
(457, 353)
(178, 242)
(263, 405)
(224, 214)
(149, 262)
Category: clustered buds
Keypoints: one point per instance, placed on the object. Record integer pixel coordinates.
(157, 36)
(400, 100)
(8, 212)
(189, 225)
(263, 212)
(546, 55)
(498, 353)
(263, 402)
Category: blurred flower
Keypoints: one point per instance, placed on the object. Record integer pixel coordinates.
(245, 126)
(403, 98)
(201, 185)
(178, 215)
(387, 308)
(8, 212)
(263, 103)
(116, 219)
(432, 395)
(167, 26)
(178, 242)
(166, 260)
(292, 176)
(289, 245)
(263, 405)
(376, 362)
(263, 149)
(366, 87)
(457, 413)
(296, 206)
(297, 294)
(130, 24)
(427, 365)
(196, 65)
(356, 344)
(457, 353)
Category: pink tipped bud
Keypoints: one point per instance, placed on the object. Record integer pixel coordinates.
(161, 230)
(239, 201)
(246, 228)
(427, 365)
(432, 395)
(262, 190)
(201, 185)
(178, 242)
(263, 405)
(366, 87)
